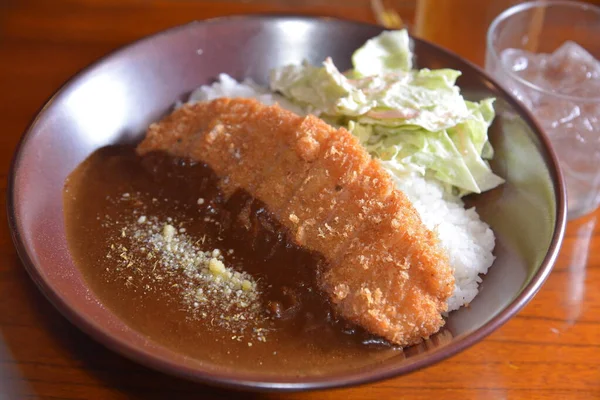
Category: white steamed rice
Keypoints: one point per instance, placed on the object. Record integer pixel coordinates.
(467, 240)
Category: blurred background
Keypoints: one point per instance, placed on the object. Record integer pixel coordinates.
(116, 22)
(446, 22)
(459, 25)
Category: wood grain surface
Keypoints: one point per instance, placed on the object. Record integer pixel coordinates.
(550, 350)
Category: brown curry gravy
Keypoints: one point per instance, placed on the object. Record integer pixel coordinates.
(103, 198)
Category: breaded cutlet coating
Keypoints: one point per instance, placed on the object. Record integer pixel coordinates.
(180, 131)
(349, 210)
(386, 270)
(299, 151)
(315, 201)
(193, 131)
(409, 279)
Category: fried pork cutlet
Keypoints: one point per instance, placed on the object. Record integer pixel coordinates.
(386, 271)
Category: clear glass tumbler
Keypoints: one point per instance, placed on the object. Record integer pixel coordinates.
(546, 53)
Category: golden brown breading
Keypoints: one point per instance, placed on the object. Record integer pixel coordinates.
(386, 270)
(350, 210)
(300, 148)
(314, 203)
(403, 281)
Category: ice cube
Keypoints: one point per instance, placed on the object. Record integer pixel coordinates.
(588, 89)
(552, 113)
(570, 69)
(530, 67)
(573, 126)
(591, 113)
(527, 65)
(525, 96)
(575, 135)
(516, 59)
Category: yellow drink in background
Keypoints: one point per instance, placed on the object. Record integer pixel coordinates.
(458, 25)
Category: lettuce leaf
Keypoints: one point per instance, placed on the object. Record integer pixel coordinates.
(388, 52)
(414, 121)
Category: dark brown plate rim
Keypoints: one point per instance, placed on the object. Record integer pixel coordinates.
(311, 383)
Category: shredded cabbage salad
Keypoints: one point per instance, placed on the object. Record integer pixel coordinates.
(415, 121)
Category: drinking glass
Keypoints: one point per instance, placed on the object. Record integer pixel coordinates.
(546, 54)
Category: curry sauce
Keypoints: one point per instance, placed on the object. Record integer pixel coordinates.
(215, 278)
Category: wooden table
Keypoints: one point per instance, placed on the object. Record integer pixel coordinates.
(551, 350)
